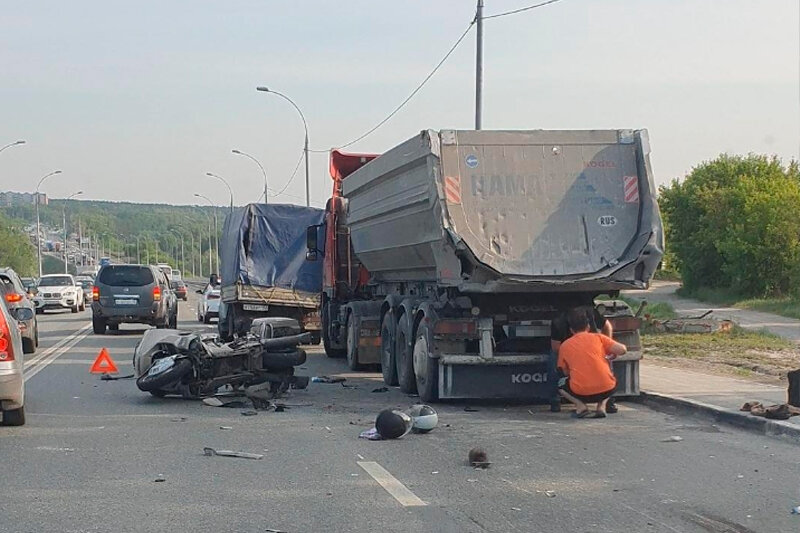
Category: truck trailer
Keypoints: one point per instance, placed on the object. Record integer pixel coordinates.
(446, 258)
(264, 268)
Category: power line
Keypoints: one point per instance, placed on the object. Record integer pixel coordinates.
(413, 93)
(520, 10)
(294, 173)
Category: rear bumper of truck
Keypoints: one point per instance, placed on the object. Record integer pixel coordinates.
(517, 376)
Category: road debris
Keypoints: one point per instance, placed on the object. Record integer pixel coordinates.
(469, 409)
(478, 458)
(268, 530)
(209, 452)
(233, 403)
(249, 413)
(674, 438)
(108, 377)
(327, 379)
(550, 493)
(225, 427)
(393, 424)
(370, 434)
(796, 510)
(782, 411)
(381, 389)
(179, 419)
(516, 509)
(159, 479)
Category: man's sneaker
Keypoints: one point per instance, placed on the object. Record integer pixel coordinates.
(611, 407)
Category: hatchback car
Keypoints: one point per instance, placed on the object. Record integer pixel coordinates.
(136, 294)
(180, 289)
(208, 304)
(16, 297)
(12, 364)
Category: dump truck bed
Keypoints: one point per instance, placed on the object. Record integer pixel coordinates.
(509, 211)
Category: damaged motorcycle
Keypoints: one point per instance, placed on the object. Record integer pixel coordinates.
(196, 365)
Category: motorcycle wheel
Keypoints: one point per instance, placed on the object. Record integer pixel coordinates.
(147, 382)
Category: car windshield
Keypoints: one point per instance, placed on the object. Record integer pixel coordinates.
(126, 276)
(55, 281)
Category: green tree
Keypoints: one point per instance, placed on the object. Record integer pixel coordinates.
(16, 250)
(731, 223)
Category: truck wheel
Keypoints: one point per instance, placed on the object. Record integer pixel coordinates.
(388, 359)
(402, 351)
(98, 325)
(352, 343)
(14, 417)
(426, 368)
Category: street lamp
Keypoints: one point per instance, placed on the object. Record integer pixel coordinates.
(223, 180)
(38, 225)
(64, 220)
(9, 145)
(264, 172)
(216, 228)
(305, 127)
(210, 246)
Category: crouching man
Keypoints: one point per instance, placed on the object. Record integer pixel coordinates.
(584, 360)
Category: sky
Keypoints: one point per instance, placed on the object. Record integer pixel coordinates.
(136, 101)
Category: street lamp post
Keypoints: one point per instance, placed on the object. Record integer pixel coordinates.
(64, 220)
(138, 253)
(191, 250)
(264, 172)
(216, 228)
(15, 143)
(305, 127)
(210, 246)
(38, 225)
(223, 180)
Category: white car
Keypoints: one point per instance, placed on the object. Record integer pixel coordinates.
(12, 384)
(208, 304)
(59, 291)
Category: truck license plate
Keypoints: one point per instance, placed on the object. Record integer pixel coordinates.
(125, 301)
(255, 307)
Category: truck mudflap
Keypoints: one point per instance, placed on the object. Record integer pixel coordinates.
(517, 377)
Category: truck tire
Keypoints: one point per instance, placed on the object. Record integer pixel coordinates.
(330, 351)
(352, 343)
(388, 359)
(426, 368)
(14, 417)
(98, 326)
(402, 351)
(147, 382)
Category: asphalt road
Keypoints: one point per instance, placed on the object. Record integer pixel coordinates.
(91, 452)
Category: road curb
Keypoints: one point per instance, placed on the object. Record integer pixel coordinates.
(740, 419)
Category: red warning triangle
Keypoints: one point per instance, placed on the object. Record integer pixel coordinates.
(104, 364)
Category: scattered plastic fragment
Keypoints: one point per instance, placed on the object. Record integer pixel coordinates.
(268, 530)
(469, 409)
(209, 452)
(516, 509)
(249, 413)
(327, 379)
(381, 389)
(159, 479)
(550, 494)
(225, 427)
(226, 402)
(435, 472)
(796, 510)
(179, 419)
(370, 434)
(674, 438)
(108, 377)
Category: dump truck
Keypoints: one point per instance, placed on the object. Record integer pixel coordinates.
(446, 258)
(264, 269)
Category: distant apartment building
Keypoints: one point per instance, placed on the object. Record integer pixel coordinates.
(22, 198)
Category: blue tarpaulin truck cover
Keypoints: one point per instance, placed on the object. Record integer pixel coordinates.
(264, 245)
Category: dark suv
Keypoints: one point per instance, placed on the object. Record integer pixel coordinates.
(138, 294)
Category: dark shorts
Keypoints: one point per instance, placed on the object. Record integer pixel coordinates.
(594, 398)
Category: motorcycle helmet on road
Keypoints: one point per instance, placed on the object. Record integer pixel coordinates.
(393, 424)
(423, 418)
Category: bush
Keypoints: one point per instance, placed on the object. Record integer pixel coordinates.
(732, 223)
(16, 250)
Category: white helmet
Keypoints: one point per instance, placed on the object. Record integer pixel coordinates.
(423, 418)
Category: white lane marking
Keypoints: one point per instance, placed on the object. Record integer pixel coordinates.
(37, 365)
(32, 360)
(85, 362)
(390, 483)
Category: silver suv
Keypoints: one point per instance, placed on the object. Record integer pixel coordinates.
(138, 294)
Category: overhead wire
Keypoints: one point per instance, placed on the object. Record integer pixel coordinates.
(520, 10)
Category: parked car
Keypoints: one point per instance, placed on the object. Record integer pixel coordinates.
(12, 364)
(134, 294)
(208, 304)
(180, 289)
(59, 291)
(86, 284)
(30, 286)
(15, 296)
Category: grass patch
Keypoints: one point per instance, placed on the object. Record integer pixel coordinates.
(739, 351)
(655, 310)
(788, 307)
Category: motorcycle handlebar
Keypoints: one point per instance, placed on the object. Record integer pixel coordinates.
(285, 342)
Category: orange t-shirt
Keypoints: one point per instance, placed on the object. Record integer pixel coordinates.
(582, 357)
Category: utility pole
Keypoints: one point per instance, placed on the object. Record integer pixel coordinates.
(479, 66)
